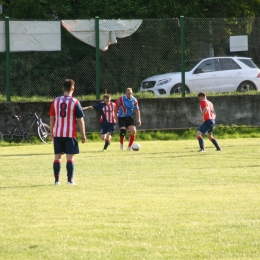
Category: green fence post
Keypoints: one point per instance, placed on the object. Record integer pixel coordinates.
(7, 51)
(97, 58)
(182, 57)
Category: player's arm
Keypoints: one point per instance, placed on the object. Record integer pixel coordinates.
(52, 121)
(81, 124)
(203, 112)
(85, 108)
(98, 106)
(52, 118)
(138, 115)
(116, 110)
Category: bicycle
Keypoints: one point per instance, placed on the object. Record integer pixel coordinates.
(16, 133)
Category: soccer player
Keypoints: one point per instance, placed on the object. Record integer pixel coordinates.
(208, 117)
(107, 119)
(65, 113)
(125, 107)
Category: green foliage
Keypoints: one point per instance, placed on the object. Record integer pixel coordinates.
(220, 131)
(127, 9)
(115, 96)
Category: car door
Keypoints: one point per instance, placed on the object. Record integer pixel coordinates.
(204, 77)
(229, 75)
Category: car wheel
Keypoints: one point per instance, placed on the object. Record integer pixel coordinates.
(177, 89)
(246, 86)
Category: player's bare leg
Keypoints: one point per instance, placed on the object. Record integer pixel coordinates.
(122, 137)
(132, 130)
(201, 141)
(214, 141)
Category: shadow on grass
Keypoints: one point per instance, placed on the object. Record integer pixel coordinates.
(29, 186)
(34, 154)
(239, 166)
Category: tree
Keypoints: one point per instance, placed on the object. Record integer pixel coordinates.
(128, 9)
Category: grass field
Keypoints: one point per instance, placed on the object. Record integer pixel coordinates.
(166, 201)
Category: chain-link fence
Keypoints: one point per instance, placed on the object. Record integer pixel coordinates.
(211, 37)
(154, 48)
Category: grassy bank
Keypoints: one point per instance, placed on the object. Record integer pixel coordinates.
(115, 96)
(220, 132)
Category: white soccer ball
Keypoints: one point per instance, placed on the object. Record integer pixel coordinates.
(136, 147)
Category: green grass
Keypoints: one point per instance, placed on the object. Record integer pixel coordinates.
(166, 201)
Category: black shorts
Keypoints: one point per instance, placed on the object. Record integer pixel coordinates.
(66, 145)
(125, 121)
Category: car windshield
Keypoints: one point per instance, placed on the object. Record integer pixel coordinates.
(248, 62)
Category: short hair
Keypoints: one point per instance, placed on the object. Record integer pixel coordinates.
(202, 94)
(68, 84)
(107, 96)
(128, 89)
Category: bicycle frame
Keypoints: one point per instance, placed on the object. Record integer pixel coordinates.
(25, 133)
(17, 132)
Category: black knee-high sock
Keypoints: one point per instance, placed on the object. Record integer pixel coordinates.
(56, 170)
(107, 143)
(214, 141)
(70, 170)
(201, 142)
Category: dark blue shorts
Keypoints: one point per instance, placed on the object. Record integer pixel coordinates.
(207, 126)
(65, 145)
(107, 128)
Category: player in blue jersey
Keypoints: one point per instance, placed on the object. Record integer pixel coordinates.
(107, 119)
(125, 108)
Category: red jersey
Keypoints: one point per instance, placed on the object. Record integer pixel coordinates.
(66, 110)
(210, 114)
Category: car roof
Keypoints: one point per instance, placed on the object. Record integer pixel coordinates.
(234, 57)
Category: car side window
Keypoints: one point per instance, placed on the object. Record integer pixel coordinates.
(206, 66)
(248, 62)
(228, 64)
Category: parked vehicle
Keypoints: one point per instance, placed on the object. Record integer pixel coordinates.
(215, 74)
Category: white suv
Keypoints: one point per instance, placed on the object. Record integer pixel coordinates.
(215, 74)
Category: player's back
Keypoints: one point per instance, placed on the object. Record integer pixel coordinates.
(65, 116)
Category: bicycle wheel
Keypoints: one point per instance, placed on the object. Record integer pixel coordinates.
(11, 133)
(44, 132)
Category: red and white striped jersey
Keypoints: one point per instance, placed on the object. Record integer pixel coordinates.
(66, 110)
(210, 114)
(108, 112)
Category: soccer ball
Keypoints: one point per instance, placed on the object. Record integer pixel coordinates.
(136, 147)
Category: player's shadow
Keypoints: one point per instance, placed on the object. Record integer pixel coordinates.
(28, 186)
(32, 154)
(239, 166)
